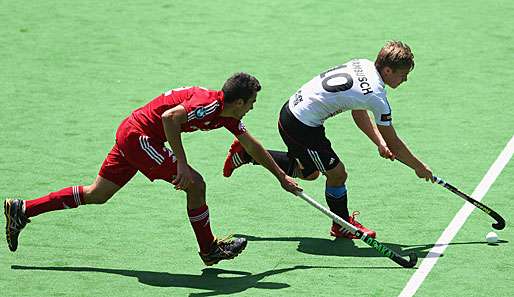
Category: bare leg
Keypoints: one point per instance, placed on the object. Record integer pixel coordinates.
(336, 176)
(198, 213)
(100, 191)
(196, 192)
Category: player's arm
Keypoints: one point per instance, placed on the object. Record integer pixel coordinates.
(254, 148)
(365, 124)
(402, 152)
(172, 119)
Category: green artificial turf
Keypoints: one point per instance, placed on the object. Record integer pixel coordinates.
(71, 71)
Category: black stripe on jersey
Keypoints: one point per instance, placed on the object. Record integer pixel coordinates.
(386, 117)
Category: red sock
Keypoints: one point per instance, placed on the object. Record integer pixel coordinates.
(199, 218)
(70, 197)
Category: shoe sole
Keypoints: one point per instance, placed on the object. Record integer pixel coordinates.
(228, 172)
(7, 213)
(229, 158)
(235, 255)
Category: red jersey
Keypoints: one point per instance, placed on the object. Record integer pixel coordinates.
(202, 106)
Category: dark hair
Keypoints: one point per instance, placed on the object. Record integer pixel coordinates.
(240, 86)
(396, 55)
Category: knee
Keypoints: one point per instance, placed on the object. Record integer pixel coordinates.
(199, 184)
(198, 187)
(196, 193)
(337, 177)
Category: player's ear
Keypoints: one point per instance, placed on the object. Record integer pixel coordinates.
(387, 70)
(239, 102)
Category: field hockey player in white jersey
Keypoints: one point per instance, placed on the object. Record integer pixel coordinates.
(357, 86)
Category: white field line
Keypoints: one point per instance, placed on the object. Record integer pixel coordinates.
(442, 243)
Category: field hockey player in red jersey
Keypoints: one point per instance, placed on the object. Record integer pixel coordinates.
(140, 146)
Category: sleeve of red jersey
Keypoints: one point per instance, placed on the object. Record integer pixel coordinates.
(199, 106)
(191, 102)
(235, 126)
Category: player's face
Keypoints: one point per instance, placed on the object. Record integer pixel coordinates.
(246, 107)
(395, 78)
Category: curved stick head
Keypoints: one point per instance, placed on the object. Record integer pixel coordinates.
(413, 260)
(499, 225)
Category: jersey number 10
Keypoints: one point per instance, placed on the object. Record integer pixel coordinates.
(337, 82)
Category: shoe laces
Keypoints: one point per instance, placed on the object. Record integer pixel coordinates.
(353, 219)
(225, 239)
(221, 243)
(18, 220)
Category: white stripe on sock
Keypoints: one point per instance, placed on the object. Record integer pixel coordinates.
(199, 217)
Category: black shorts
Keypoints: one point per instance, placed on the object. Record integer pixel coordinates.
(307, 145)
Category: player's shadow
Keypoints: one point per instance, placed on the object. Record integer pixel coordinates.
(347, 248)
(211, 279)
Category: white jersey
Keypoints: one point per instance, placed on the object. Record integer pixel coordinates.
(354, 85)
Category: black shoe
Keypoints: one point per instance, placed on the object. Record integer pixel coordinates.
(15, 221)
(224, 250)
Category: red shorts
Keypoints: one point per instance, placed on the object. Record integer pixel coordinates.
(134, 151)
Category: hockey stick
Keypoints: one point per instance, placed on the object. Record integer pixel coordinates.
(500, 222)
(382, 249)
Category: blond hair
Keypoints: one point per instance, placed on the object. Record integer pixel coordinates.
(396, 55)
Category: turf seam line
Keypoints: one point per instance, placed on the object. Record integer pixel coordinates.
(458, 221)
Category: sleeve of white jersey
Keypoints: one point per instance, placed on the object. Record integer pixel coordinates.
(381, 110)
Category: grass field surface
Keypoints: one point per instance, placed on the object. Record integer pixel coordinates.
(71, 71)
